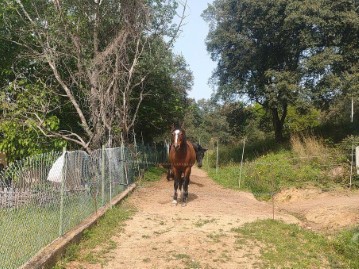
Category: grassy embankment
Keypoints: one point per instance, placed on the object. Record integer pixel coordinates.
(268, 168)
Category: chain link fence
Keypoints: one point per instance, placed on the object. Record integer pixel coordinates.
(42, 197)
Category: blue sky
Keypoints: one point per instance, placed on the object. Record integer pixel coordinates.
(191, 44)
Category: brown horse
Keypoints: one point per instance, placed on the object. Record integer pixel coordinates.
(200, 151)
(182, 156)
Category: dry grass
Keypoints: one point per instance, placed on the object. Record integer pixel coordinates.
(308, 147)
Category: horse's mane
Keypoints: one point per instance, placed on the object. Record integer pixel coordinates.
(184, 136)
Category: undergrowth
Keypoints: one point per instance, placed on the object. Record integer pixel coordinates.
(308, 161)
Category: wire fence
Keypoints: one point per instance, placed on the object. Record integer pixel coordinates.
(44, 196)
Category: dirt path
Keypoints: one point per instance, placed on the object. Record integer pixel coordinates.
(319, 210)
(199, 235)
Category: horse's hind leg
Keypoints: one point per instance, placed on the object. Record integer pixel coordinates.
(180, 187)
(185, 186)
(175, 191)
(185, 191)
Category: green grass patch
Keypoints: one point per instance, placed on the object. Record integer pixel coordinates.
(187, 261)
(153, 174)
(95, 243)
(201, 222)
(347, 245)
(216, 237)
(289, 246)
(25, 230)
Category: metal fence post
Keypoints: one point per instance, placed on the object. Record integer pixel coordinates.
(110, 176)
(62, 193)
(102, 175)
(136, 153)
(217, 157)
(124, 166)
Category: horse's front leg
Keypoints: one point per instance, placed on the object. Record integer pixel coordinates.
(177, 178)
(187, 174)
(169, 174)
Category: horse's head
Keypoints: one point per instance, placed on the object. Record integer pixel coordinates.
(200, 154)
(178, 138)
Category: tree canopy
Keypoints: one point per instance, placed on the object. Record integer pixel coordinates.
(285, 52)
(80, 71)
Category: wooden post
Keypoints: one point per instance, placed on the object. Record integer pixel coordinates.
(240, 171)
(273, 192)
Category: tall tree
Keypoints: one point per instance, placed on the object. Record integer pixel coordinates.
(257, 53)
(267, 51)
(90, 55)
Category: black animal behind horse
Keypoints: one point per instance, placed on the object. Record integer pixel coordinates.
(199, 153)
(182, 157)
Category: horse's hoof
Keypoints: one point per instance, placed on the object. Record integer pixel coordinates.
(174, 202)
(184, 204)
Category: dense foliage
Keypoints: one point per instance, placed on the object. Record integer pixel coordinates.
(287, 53)
(85, 74)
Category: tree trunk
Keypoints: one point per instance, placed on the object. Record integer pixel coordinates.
(278, 122)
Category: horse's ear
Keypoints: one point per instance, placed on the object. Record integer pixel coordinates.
(172, 127)
(182, 126)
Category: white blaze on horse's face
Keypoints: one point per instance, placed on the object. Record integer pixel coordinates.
(176, 134)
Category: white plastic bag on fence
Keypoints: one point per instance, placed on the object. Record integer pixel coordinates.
(55, 173)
